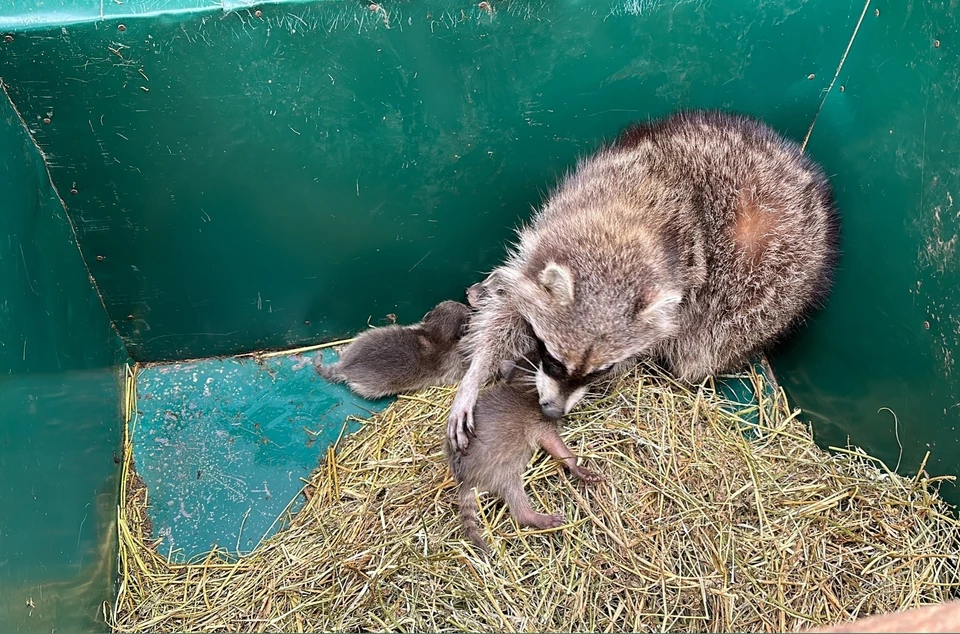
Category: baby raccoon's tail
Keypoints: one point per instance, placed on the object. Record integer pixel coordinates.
(468, 517)
(329, 372)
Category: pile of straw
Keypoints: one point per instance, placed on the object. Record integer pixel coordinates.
(697, 528)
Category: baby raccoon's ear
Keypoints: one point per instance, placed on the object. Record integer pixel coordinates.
(507, 371)
(556, 281)
(425, 344)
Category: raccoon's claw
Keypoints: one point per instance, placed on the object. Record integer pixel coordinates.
(460, 428)
(528, 517)
(590, 477)
(544, 522)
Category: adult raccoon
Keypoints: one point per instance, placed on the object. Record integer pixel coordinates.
(697, 239)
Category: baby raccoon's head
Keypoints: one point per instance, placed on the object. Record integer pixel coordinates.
(584, 325)
(492, 287)
(447, 322)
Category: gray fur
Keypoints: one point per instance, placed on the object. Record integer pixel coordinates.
(397, 359)
(509, 428)
(480, 292)
(697, 240)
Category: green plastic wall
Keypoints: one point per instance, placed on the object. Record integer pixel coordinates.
(889, 134)
(59, 408)
(250, 180)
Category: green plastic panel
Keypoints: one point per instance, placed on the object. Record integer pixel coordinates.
(38, 14)
(248, 182)
(222, 445)
(888, 133)
(143, 8)
(59, 409)
(22, 15)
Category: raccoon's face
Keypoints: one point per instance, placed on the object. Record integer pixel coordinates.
(492, 286)
(581, 336)
(559, 389)
(448, 320)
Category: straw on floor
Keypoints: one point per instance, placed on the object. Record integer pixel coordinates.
(696, 529)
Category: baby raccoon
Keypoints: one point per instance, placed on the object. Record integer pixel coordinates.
(482, 291)
(396, 359)
(696, 240)
(509, 428)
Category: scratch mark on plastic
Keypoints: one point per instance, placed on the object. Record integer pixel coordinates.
(421, 260)
(836, 74)
(25, 270)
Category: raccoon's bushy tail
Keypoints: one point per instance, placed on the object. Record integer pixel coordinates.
(329, 372)
(468, 517)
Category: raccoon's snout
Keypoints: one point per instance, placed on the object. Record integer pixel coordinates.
(551, 410)
(553, 401)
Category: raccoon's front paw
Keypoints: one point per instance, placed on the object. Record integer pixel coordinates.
(460, 426)
(588, 476)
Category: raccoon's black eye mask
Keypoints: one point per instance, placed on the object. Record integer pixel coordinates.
(551, 366)
(557, 371)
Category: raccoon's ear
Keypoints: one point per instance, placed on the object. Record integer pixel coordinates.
(425, 343)
(558, 281)
(654, 300)
(507, 371)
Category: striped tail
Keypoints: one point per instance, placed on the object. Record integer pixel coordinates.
(468, 516)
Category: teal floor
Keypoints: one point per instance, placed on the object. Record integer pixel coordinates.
(222, 445)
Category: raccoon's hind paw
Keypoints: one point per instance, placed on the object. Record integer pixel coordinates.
(588, 476)
(330, 373)
(544, 521)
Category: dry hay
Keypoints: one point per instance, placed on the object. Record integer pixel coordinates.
(696, 529)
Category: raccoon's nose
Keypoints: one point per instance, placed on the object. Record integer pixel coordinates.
(551, 411)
